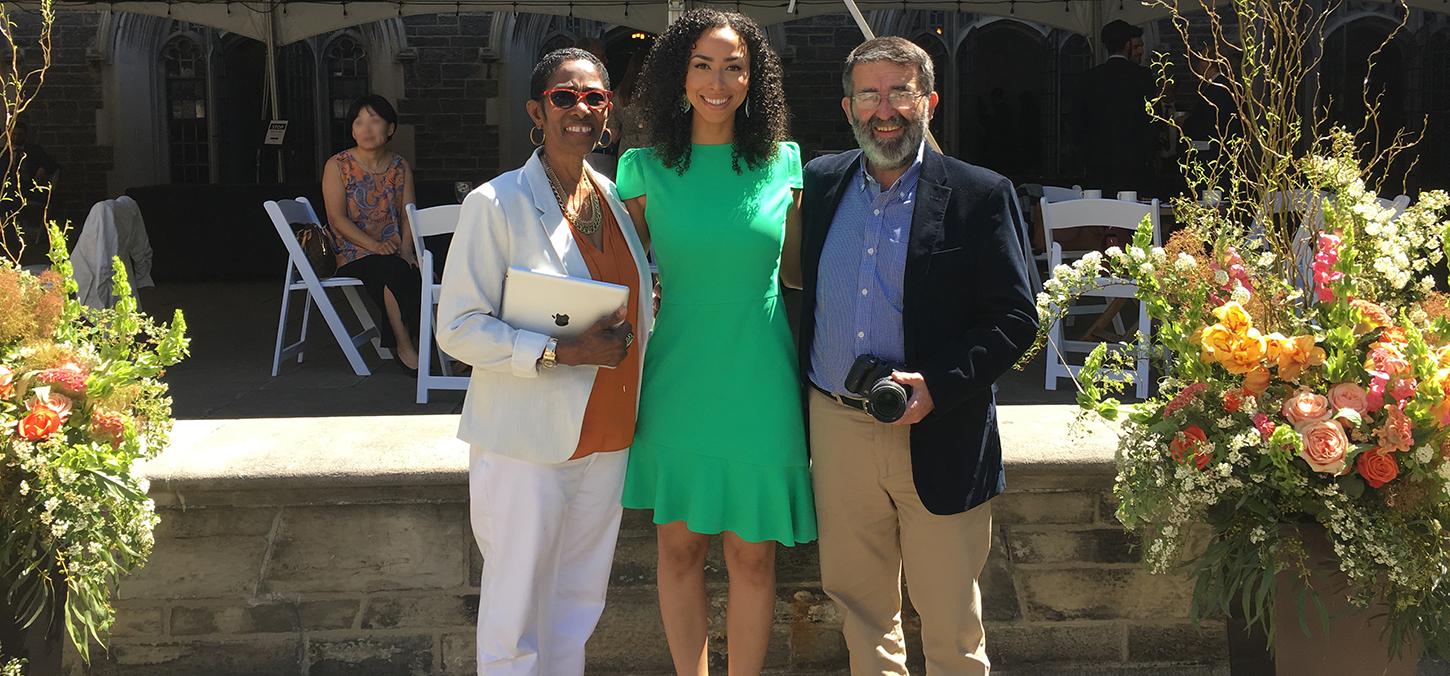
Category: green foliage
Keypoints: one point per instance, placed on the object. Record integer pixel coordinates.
(75, 509)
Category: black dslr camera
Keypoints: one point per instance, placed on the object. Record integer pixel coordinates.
(870, 379)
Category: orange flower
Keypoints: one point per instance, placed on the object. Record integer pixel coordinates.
(1215, 340)
(1191, 440)
(1294, 354)
(1233, 317)
(1397, 434)
(1247, 354)
(1256, 382)
(1377, 467)
(1233, 400)
(39, 425)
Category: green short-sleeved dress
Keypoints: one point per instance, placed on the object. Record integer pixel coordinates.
(720, 443)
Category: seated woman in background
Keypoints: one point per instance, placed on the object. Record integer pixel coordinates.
(365, 188)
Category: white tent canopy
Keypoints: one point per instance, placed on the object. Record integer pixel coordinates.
(300, 20)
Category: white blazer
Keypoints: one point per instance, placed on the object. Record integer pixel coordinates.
(512, 407)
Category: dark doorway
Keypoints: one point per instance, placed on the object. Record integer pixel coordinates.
(932, 44)
(1074, 57)
(241, 117)
(1003, 117)
(297, 85)
(1347, 82)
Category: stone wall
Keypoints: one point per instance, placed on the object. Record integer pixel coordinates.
(814, 51)
(63, 117)
(277, 556)
(447, 87)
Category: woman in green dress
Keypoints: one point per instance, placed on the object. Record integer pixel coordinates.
(720, 446)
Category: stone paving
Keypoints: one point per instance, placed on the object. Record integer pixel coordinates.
(233, 327)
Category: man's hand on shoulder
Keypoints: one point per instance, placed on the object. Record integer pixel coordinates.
(920, 403)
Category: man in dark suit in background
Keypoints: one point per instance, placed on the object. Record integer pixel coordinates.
(1114, 132)
(919, 260)
(1215, 116)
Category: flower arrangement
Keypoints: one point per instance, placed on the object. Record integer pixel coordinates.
(80, 402)
(1320, 398)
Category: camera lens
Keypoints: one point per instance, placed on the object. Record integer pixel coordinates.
(887, 400)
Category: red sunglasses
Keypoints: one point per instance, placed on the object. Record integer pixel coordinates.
(596, 99)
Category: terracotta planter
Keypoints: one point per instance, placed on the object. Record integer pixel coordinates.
(1350, 644)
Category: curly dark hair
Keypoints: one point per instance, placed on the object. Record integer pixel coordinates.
(661, 87)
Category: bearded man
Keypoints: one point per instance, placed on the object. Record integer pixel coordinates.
(915, 263)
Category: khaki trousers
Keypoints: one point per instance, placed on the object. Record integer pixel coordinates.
(872, 526)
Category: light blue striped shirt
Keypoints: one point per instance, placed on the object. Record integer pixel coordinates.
(859, 286)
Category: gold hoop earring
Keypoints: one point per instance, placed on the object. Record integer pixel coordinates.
(606, 139)
(747, 106)
(540, 141)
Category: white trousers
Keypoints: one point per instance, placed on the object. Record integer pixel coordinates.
(547, 533)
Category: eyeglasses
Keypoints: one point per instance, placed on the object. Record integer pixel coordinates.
(596, 99)
(900, 99)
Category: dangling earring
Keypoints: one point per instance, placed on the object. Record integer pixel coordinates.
(605, 139)
(684, 104)
(747, 106)
(541, 135)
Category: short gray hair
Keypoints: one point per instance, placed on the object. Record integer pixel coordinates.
(896, 50)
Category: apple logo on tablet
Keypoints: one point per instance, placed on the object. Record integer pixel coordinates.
(561, 320)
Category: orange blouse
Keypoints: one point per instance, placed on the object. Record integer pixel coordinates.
(614, 402)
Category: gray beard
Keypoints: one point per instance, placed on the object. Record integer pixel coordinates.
(891, 154)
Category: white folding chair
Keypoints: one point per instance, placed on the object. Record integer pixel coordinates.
(1096, 212)
(1306, 207)
(301, 277)
(1051, 193)
(1055, 193)
(440, 220)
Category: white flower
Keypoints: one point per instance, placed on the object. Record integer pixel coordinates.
(1113, 252)
(24, 488)
(1184, 263)
(1424, 453)
(1427, 284)
(1240, 294)
(1220, 276)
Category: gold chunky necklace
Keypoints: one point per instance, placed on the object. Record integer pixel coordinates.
(587, 225)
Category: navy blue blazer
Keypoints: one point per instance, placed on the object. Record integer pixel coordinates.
(968, 312)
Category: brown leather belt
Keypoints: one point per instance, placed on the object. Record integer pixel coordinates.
(848, 402)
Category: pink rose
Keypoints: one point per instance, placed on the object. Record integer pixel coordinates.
(1403, 389)
(1350, 396)
(1375, 398)
(1304, 408)
(55, 401)
(1325, 447)
(1397, 434)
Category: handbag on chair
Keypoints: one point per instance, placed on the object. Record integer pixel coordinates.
(318, 247)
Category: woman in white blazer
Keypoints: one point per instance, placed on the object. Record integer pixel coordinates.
(549, 429)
